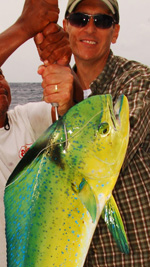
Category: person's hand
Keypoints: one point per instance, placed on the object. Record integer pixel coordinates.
(37, 14)
(53, 45)
(57, 86)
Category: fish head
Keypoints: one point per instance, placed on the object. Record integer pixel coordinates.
(97, 136)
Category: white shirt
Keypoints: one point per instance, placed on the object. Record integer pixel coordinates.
(86, 93)
(27, 123)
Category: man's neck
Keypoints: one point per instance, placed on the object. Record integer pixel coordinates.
(2, 120)
(89, 71)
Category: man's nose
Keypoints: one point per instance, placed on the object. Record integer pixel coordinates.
(90, 27)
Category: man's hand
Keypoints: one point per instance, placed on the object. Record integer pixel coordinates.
(53, 45)
(37, 14)
(57, 77)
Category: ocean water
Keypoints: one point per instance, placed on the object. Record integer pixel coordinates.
(22, 93)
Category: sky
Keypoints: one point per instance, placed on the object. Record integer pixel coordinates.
(133, 42)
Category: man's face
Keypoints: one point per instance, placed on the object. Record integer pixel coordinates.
(90, 43)
(5, 96)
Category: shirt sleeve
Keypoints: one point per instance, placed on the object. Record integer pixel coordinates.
(137, 90)
(39, 116)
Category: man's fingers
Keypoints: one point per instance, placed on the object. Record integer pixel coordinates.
(38, 39)
(61, 54)
(36, 15)
(54, 46)
(51, 28)
(52, 16)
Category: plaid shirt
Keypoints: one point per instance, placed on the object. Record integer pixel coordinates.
(132, 190)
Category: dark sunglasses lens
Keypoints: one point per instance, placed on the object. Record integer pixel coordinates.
(78, 19)
(103, 21)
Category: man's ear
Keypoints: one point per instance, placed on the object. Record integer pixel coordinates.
(115, 33)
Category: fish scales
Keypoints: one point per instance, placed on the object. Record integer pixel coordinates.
(56, 194)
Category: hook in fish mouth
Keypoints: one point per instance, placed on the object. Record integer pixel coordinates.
(113, 118)
(115, 112)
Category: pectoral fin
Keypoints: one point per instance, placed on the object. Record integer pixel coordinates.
(87, 197)
(115, 225)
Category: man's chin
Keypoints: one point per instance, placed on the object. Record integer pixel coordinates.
(4, 106)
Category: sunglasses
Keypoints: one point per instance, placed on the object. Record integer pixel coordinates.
(101, 21)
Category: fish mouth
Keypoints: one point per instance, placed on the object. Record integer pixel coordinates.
(113, 117)
(115, 111)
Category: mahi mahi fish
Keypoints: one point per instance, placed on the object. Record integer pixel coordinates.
(57, 192)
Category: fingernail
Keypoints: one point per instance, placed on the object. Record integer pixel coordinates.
(46, 63)
(40, 69)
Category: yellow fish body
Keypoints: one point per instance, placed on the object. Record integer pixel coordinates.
(56, 194)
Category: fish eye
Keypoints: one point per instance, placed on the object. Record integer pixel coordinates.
(103, 128)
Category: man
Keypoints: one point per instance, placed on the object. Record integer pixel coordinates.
(92, 26)
(20, 127)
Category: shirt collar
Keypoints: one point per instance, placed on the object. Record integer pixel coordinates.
(99, 85)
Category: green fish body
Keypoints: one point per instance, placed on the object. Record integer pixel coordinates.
(56, 194)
